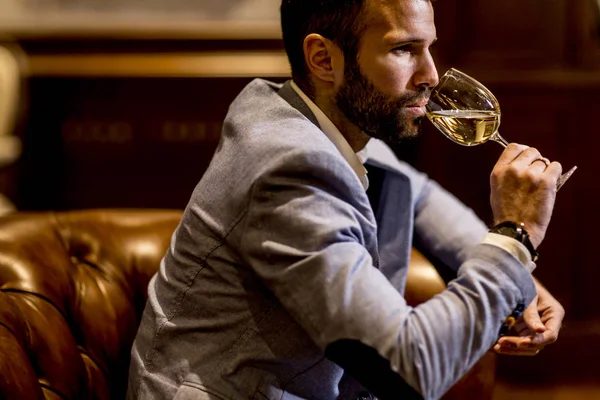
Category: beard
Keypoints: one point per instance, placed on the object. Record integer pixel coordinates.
(377, 114)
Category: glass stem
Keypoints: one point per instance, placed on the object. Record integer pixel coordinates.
(499, 139)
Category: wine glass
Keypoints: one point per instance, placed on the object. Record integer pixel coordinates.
(467, 113)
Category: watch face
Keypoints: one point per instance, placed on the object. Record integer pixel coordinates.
(508, 231)
(512, 230)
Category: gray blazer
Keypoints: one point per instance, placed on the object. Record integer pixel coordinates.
(282, 282)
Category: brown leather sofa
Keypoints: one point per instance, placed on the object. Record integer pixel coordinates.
(72, 290)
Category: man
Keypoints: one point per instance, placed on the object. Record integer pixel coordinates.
(284, 279)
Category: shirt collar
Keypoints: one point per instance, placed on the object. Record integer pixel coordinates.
(355, 160)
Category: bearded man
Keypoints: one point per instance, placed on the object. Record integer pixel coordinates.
(285, 277)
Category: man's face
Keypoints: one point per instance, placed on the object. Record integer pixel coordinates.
(385, 91)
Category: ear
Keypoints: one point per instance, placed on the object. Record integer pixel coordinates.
(324, 59)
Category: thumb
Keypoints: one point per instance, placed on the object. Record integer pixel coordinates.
(532, 319)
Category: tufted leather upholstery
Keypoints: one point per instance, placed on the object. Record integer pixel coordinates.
(72, 290)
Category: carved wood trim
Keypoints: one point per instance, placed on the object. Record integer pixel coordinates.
(199, 65)
(122, 28)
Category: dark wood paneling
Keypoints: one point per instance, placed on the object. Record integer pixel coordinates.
(583, 45)
(509, 34)
(120, 142)
(505, 34)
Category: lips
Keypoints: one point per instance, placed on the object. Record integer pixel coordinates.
(421, 103)
(415, 111)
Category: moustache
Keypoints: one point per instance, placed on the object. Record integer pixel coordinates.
(419, 99)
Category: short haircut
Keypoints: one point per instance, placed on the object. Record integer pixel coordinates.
(341, 21)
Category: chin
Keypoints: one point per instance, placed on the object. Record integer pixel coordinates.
(410, 130)
(396, 130)
(398, 136)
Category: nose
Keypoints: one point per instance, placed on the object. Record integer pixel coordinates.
(426, 75)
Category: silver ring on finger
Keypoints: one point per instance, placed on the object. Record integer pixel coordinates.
(542, 159)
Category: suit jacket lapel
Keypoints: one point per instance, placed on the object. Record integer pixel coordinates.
(288, 93)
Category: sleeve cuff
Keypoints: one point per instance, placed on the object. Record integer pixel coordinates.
(513, 247)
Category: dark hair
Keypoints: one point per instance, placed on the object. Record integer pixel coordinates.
(340, 21)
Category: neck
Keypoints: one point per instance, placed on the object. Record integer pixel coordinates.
(353, 135)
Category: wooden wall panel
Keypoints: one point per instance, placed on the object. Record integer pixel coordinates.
(504, 34)
(583, 43)
(120, 142)
(509, 34)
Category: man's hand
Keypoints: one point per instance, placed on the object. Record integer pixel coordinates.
(523, 189)
(538, 327)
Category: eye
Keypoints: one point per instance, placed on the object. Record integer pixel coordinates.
(405, 48)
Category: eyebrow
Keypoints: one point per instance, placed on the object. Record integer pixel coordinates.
(411, 40)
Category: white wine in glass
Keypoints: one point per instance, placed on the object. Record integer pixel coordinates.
(467, 113)
(466, 127)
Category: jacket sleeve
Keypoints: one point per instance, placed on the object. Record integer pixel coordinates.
(305, 235)
(444, 226)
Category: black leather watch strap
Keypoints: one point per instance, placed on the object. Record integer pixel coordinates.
(518, 232)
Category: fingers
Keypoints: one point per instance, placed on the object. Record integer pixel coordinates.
(524, 156)
(539, 165)
(538, 327)
(554, 170)
(510, 153)
(545, 161)
(527, 157)
(529, 345)
(518, 346)
(544, 339)
(532, 159)
(531, 318)
(515, 352)
(550, 335)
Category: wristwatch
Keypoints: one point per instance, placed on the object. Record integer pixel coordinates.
(518, 232)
